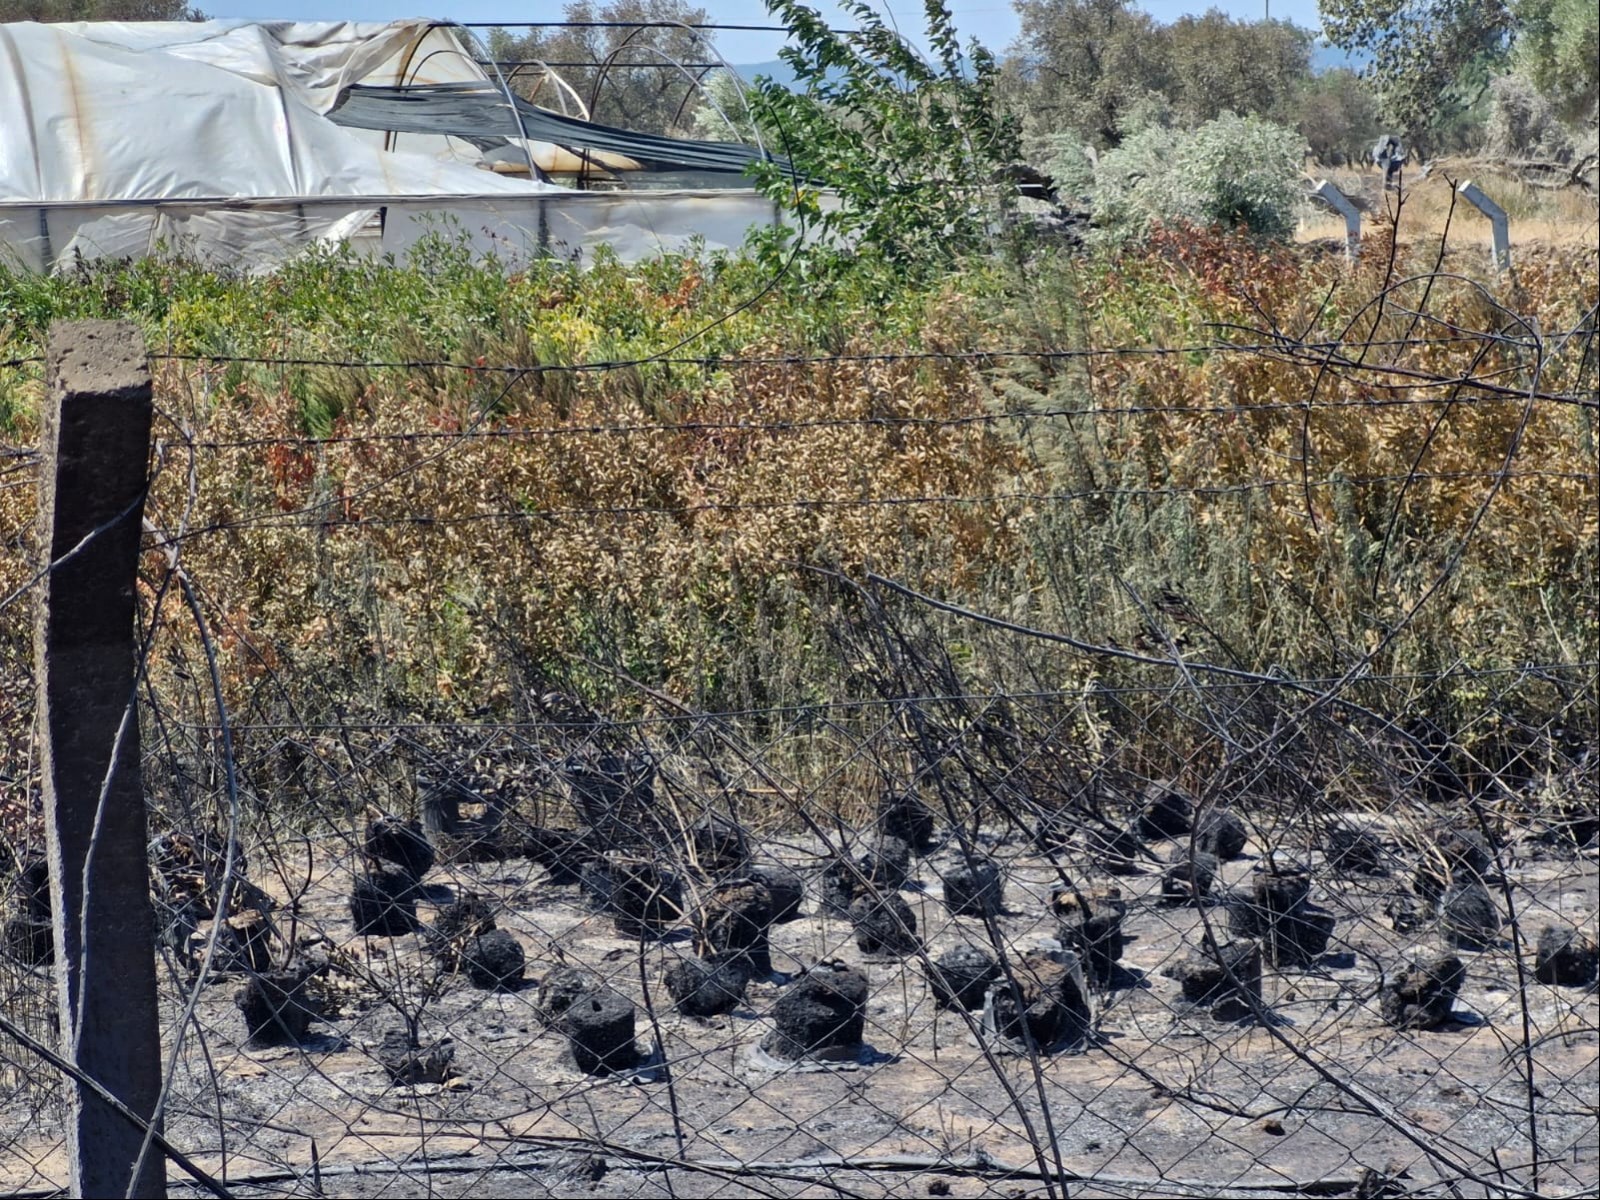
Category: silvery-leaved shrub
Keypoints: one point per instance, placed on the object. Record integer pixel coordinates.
(1231, 171)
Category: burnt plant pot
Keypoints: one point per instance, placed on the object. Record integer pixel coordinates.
(1117, 851)
(383, 902)
(884, 925)
(408, 1064)
(642, 899)
(1167, 812)
(1293, 932)
(615, 796)
(1423, 995)
(560, 988)
(1227, 977)
(974, 888)
(1468, 916)
(393, 840)
(277, 1008)
(1450, 858)
(1097, 940)
(1046, 1001)
(787, 889)
(883, 866)
(820, 1015)
(1221, 834)
(1352, 850)
(903, 816)
(495, 961)
(1189, 879)
(1566, 957)
(599, 1026)
(958, 978)
(706, 987)
(720, 844)
(733, 923)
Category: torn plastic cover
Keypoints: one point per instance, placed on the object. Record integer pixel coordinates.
(479, 110)
(92, 113)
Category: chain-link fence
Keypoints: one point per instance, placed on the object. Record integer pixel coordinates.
(1018, 909)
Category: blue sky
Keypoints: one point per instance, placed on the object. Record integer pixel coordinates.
(993, 22)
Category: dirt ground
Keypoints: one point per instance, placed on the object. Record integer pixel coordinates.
(1326, 1099)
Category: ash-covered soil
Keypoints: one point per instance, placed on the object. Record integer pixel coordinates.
(1166, 1098)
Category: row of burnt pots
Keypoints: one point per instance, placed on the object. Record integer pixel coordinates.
(1276, 918)
(819, 1017)
(645, 900)
(183, 897)
(1041, 1005)
(1275, 922)
(398, 854)
(732, 920)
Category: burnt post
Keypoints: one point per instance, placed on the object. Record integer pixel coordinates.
(94, 447)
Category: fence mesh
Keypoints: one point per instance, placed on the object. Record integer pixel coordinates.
(1019, 910)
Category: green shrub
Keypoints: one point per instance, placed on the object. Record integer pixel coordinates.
(908, 148)
(1233, 171)
(1069, 163)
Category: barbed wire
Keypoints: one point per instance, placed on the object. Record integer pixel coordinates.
(1221, 940)
(794, 425)
(1088, 690)
(294, 519)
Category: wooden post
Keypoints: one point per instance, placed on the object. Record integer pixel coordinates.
(95, 446)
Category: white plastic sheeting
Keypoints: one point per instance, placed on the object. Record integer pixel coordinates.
(566, 224)
(213, 109)
(210, 139)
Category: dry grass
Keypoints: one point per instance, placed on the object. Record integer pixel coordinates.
(662, 521)
(1566, 218)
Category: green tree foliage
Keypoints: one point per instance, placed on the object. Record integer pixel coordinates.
(1080, 65)
(1558, 49)
(626, 77)
(1085, 66)
(1219, 65)
(909, 146)
(98, 10)
(1338, 116)
(728, 112)
(1433, 59)
(1522, 122)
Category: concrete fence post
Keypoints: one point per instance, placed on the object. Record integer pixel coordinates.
(1499, 223)
(95, 447)
(1341, 204)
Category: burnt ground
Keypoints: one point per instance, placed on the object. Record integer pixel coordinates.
(1168, 1100)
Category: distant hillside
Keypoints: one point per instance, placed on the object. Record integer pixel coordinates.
(1329, 58)
(1323, 58)
(776, 70)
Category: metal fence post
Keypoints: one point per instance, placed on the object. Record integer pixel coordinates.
(95, 446)
(1499, 223)
(1340, 203)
